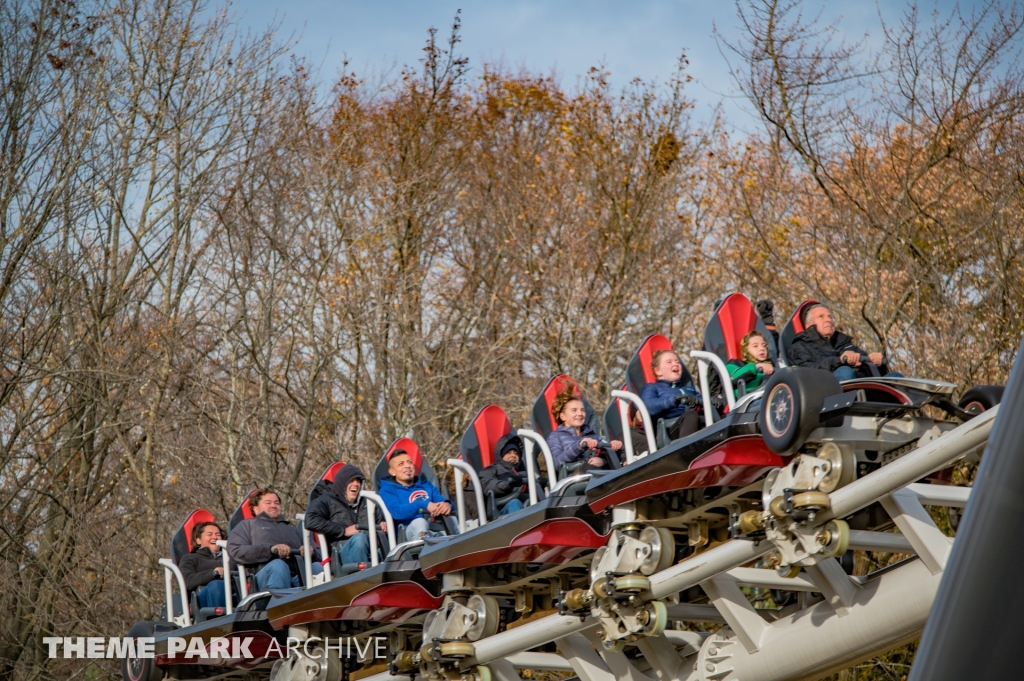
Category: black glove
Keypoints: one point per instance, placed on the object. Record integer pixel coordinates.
(504, 487)
(542, 481)
(766, 311)
(688, 400)
(517, 479)
(717, 401)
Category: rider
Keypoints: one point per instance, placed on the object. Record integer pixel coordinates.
(667, 396)
(504, 475)
(266, 541)
(822, 346)
(408, 497)
(340, 514)
(203, 567)
(755, 366)
(574, 436)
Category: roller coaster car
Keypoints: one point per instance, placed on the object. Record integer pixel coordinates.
(246, 620)
(701, 482)
(364, 597)
(521, 547)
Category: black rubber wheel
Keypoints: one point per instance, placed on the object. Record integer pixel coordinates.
(791, 406)
(981, 398)
(141, 668)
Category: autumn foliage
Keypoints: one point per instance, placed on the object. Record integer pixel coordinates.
(218, 271)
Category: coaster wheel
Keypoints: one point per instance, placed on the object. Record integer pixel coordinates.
(663, 549)
(844, 466)
(487, 614)
(791, 406)
(657, 619)
(135, 668)
(981, 398)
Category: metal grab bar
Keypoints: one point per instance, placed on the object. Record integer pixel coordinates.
(627, 441)
(372, 502)
(549, 461)
(171, 569)
(703, 358)
(461, 467)
(227, 575)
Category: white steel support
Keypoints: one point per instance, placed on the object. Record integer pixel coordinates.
(666, 663)
(834, 584)
(725, 594)
(503, 670)
(941, 495)
(891, 609)
(585, 661)
(619, 665)
(694, 612)
(548, 661)
(917, 526)
(887, 542)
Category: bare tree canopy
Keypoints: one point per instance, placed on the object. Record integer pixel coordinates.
(218, 271)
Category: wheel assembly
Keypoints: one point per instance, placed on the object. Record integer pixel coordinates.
(657, 619)
(632, 583)
(663, 549)
(456, 649)
(485, 609)
(835, 538)
(843, 466)
(811, 501)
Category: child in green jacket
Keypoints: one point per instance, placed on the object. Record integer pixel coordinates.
(754, 366)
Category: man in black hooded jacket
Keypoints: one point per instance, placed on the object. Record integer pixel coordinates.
(340, 514)
(504, 475)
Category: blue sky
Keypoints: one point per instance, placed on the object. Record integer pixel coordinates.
(631, 39)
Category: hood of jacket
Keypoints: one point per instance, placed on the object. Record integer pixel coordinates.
(507, 439)
(342, 478)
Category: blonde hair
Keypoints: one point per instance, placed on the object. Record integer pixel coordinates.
(745, 352)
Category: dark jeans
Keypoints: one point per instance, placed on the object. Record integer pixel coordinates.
(211, 595)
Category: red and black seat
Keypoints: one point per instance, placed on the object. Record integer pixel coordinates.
(181, 544)
(639, 373)
(734, 318)
(477, 449)
(324, 485)
(447, 524)
(793, 328)
(544, 421)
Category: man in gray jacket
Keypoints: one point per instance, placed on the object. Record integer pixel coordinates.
(265, 543)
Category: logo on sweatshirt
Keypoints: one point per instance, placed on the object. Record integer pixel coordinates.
(419, 494)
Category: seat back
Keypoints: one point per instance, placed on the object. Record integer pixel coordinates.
(181, 542)
(639, 372)
(324, 482)
(243, 512)
(792, 329)
(540, 415)
(477, 444)
(734, 318)
(423, 469)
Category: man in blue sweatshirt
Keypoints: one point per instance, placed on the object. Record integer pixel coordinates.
(410, 499)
